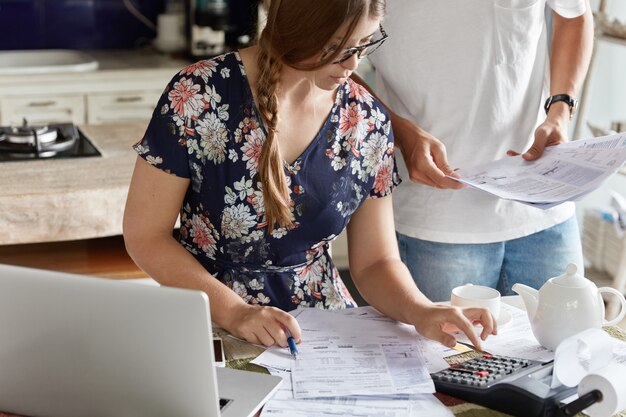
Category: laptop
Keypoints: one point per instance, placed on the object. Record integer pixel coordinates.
(76, 346)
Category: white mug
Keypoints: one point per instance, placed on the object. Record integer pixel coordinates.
(469, 295)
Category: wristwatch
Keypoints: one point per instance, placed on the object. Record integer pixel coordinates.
(569, 100)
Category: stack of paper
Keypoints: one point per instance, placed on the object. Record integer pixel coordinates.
(355, 363)
(565, 172)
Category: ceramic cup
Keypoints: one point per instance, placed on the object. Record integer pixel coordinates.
(469, 295)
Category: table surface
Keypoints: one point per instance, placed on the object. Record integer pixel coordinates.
(239, 353)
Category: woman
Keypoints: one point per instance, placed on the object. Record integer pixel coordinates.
(267, 153)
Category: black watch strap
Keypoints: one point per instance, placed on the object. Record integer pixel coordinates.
(569, 100)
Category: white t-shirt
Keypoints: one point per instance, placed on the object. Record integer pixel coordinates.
(473, 73)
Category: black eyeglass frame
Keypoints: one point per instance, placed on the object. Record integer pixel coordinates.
(347, 53)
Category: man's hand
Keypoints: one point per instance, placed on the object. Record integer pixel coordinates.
(553, 131)
(424, 155)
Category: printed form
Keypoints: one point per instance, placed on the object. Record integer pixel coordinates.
(565, 172)
(355, 364)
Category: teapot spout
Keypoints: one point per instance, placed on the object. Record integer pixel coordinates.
(529, 296)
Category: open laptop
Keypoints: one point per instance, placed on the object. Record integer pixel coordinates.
(76, 346)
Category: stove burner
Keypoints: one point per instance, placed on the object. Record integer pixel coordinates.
(58, 140)
(30, 134)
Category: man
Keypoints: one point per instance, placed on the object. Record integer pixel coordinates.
(467, 82)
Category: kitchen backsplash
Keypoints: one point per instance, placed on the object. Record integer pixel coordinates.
(75, 24)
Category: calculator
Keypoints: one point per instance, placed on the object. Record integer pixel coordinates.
(516, 386)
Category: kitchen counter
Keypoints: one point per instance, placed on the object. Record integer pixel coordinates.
(68, 199)
(118, 69)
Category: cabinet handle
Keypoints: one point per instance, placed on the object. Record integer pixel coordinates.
(128, 99)
(41, 103)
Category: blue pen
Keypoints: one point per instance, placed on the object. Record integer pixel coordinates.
(292, 346)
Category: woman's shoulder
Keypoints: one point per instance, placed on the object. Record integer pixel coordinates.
(214, 69)
(358, 94)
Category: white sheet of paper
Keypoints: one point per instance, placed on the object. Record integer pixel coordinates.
(516, 339)
(351, 367)
(564, 173)
(414, 405)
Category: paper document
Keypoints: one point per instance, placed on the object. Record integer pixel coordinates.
(516, 339)
(354, 362)
(565, 172)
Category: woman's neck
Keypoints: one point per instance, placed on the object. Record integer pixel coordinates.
(296, 86)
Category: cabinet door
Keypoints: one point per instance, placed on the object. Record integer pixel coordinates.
(42, 109)
(130, 106)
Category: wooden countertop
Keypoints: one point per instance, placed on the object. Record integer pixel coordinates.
(69, 199)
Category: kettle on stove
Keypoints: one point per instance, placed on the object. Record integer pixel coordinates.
(566, 305)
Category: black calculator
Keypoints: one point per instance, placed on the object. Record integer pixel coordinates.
(519, 387)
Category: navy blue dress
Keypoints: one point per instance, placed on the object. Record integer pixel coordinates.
(206, 127)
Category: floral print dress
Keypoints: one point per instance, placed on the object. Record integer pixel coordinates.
(206, 127)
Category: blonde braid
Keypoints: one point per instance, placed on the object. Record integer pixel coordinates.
(271, 172)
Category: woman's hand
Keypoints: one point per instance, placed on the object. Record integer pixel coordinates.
(262, 325)
(438, 322)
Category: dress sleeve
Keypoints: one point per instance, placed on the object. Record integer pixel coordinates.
(387, 177)
(164, 145)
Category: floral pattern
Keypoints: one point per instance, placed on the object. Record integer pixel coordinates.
(206, 128)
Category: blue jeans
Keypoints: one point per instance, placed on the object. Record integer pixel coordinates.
(438, 267)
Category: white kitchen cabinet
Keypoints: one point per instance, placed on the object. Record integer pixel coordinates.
(130, 106)
(125, 88)
(38, 109)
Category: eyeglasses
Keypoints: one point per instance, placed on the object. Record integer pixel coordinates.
(361, 51)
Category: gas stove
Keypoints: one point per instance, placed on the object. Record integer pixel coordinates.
(52, 141)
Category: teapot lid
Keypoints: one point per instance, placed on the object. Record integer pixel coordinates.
(570, 278)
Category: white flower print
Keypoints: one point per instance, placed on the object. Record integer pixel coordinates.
(372, 151)
(154, 160)
(222, 112)
(356, 169)
(241, 291)
(338, 163)
(237, 221)
(262, 298)
(244, 187)
(377, 118)
(142, 149)
(232, 155)
(212, 97)
(230, 198)
(225, 73)
(279, 232)
(213, 138)
(164, 109)
(333, 300)
(255, 285)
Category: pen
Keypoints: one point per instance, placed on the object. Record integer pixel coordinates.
(292, 346)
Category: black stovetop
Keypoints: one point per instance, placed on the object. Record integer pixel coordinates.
(67, 132)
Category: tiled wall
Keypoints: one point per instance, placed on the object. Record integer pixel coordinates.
(74, 24)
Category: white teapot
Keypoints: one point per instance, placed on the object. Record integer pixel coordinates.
(566, 305)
